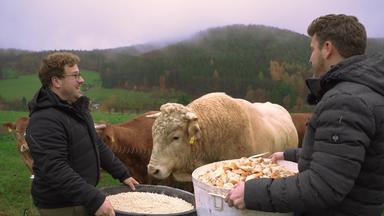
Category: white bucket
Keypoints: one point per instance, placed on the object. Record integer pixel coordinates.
(209, 199)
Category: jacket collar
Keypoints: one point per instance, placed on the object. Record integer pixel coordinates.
(319, 86)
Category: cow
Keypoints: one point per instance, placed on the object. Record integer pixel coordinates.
(131, 142)
(301, 120)
(212, 128)
(19, 128)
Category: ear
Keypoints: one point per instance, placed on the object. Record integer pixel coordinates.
(9, 126)
(191, 116)
(328, 49)
(100, 126)
(155, 115)
(56, 82)
(194, 132)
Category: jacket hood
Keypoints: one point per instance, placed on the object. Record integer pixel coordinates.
(368, 71)
(45, 98)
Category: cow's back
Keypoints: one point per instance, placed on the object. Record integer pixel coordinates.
(235, 128)
(271, 127)
(223, 124)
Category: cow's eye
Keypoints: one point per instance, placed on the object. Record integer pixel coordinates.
(175, 138)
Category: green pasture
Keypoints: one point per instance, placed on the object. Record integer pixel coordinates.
(15, 198)
(20, 87)
(26, 85)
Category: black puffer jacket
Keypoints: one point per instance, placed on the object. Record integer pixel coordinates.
(341, 162)
(67, 154)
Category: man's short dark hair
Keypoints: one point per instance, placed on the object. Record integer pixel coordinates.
(53, 65)
(345, 32)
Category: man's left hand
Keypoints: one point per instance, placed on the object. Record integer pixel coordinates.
(131, 182)
(235, 196)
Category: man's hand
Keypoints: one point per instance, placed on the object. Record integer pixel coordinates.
(131, 182)
(235, 196)
(105, 209)
(277, 156)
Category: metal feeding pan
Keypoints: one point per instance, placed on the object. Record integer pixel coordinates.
(169, 191)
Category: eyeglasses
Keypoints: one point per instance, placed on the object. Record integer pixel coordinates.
(76, 76)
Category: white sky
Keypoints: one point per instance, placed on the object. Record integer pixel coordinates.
(98, 24)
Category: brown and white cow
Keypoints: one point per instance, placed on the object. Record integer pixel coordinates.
(131, 142)
(19, 128)
(301, 120)
(215, 127)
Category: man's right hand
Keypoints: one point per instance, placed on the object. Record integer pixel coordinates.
(105, 209)
(277, 156)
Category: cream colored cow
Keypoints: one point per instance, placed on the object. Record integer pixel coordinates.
(215, 127)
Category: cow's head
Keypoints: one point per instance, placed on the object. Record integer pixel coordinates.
(19, 128)
(175, 134)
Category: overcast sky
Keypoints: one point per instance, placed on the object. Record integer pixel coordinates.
(98, 24)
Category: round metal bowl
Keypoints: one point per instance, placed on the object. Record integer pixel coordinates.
(169, 191)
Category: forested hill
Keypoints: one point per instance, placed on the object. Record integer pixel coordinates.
(249, 61)
(236, 59)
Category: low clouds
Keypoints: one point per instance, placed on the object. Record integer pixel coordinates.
(89, 24)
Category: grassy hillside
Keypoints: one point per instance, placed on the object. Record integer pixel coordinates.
(17, 88)
(25, 86)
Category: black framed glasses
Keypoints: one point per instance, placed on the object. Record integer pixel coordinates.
(77, 76)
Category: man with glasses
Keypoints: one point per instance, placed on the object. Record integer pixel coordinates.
(66, 150)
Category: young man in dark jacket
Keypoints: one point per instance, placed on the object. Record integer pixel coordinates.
(66, 150)
(341, 163)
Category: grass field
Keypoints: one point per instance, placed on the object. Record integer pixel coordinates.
(25, 86)
(15, 198)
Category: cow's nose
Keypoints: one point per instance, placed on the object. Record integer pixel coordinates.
(152, 170)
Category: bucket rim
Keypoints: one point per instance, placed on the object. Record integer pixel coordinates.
(125, 188)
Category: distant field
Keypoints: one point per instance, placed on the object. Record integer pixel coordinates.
(15, 198)
(23, 86)
(12, 116)
(27, 85)
(15, 89)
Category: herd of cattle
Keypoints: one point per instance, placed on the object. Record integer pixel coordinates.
(164, 147)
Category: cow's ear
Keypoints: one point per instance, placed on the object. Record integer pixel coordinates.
(194, 132)
(154, 115)
(100, 126)
(191, 116)
(9, 126)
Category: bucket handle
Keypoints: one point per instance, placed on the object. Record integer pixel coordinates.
(218, 207)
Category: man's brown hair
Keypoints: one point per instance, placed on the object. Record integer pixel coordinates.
(53, 65)
(345, 32)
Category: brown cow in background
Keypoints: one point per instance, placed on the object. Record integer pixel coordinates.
(19, 128)
(131, 142)
(301, 120)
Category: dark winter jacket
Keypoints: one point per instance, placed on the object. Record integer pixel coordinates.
(67, 154)
(341, 162)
